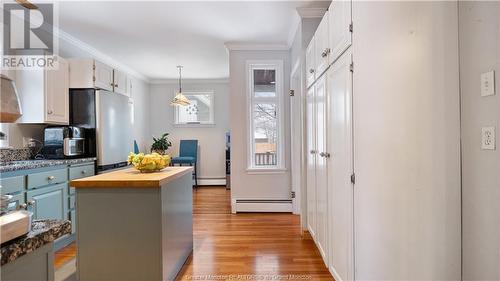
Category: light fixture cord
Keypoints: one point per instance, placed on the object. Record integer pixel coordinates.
(180, 79)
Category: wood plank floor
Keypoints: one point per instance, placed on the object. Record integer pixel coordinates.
(253, 246)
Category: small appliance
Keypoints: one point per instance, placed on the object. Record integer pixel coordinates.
(64, 142)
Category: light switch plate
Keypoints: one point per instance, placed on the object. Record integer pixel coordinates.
(488, 84)
(488, 138)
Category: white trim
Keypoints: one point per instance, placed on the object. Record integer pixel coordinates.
(98, 55)
(264, 171)
(175, 81)
(261, 206)
(298, 98)
(256, 47)
(309, 13)
(277, 65)
(211, 122)
(221, 181)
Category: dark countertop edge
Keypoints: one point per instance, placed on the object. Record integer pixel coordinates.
(23, 245)
(45, 163)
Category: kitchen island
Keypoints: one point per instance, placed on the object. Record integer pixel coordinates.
(134, 226)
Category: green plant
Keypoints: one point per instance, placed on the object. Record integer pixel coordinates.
(161, 144)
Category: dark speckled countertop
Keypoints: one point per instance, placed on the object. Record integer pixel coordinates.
(33, 164)
(42, 232)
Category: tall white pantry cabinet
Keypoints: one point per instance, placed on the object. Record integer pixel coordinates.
(383, 191)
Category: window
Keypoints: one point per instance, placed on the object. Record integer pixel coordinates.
(265, 116)
(199, 112)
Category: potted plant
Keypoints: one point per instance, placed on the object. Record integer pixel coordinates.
(160, 145)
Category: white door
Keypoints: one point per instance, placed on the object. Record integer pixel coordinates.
(311, 162)
(310, 64)
(321, 170)
(120, 82)
(57, 93)
(340, 169)
(296, 126)
(103, 76)
(322, 46)
(339, 27)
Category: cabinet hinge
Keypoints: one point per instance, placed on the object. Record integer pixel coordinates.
(353, 178)
(292, 193)
(351, 27)
(292, 93)
(351, 67)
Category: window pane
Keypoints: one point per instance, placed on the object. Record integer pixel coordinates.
(199, 111)
(265, 134)
(264, 83)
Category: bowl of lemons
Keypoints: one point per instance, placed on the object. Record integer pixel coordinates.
(149, 163)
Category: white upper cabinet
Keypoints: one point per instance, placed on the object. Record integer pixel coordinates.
(310, 63)
(322, 46)
(44, 94)
(89, 73)
(57, 94)
(340, 33)
(103, 76)
(120, 82)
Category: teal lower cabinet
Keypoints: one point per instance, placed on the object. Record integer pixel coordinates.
(49, 202)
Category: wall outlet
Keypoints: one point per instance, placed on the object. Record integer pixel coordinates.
(488, 84)
(488, 138)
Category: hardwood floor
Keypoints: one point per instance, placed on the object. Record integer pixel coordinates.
(246, 246)
(64, 255)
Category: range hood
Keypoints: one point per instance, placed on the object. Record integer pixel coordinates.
(10, 107)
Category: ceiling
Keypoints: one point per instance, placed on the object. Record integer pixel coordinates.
(154, 37)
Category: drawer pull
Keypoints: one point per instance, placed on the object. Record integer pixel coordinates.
(51, 178)
(23, 206)
(84, 172)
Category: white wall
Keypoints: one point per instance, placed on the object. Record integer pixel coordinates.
(480, 52)
(211, 139)
(141, 97)
(243, 184)
(407, 140)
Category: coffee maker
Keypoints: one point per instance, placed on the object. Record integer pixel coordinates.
(64, 142)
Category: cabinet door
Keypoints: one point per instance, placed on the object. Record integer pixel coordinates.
(57, 93)
(340, 35)
(49, 202)
(311, 162)
(103, 75)
(340, 169)
(310, 63)
(322, 46)
(120, 82)
(321, 170)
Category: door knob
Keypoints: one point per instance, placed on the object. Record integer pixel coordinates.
(311, 71)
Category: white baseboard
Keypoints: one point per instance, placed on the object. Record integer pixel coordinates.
(211, 181)
(261, 206)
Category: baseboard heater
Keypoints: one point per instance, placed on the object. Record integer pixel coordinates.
(262, 205)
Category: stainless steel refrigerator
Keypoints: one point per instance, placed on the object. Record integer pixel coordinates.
(109, 118)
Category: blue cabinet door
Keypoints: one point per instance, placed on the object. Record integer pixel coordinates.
(49, 202)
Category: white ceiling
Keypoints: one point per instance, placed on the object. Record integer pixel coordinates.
(153, 37)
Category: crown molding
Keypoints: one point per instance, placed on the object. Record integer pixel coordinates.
(175, 81)
(98, 55)
(307, 13)
(256, 47)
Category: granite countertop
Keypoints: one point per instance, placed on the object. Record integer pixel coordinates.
(33, 164)
(42, 232)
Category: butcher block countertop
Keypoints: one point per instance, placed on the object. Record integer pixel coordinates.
(131, 177)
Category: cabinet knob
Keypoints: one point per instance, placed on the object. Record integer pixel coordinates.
(84, 172)
(116, 85)
(50, 111)
(23, 206)
(50, 178)
(30, 202)
(311, 71)
(322, 154)
(312, 152)
(325, 52)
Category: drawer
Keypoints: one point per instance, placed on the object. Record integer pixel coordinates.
(12, 184)
(71, 202)
(46, 178)
(16, 201)
(81, 172)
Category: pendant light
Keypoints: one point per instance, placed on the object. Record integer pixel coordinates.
(179, 98)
